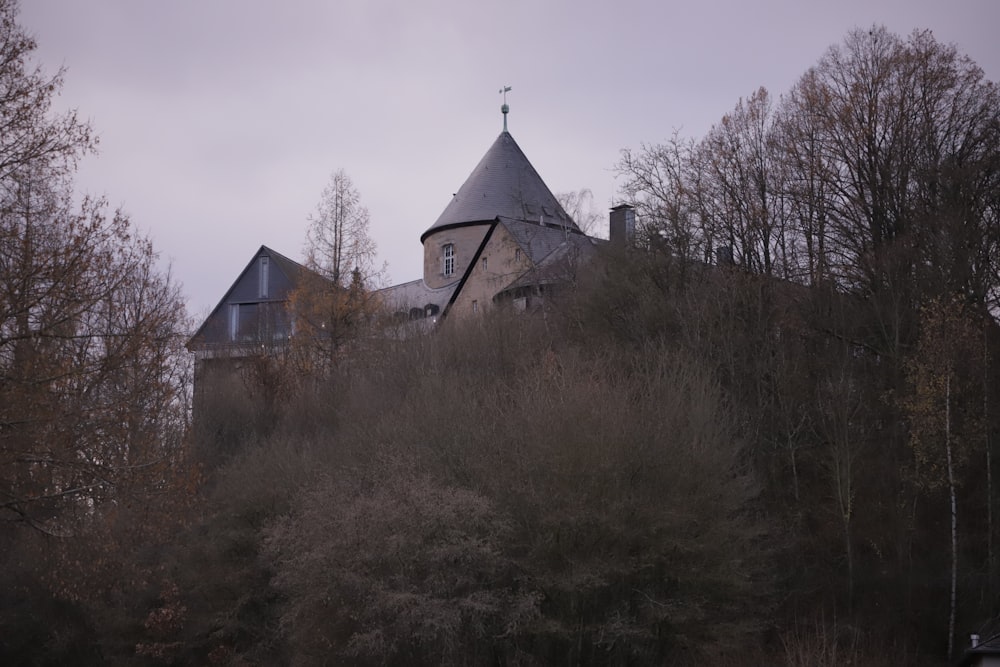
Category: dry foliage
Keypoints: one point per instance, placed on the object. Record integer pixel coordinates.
(510, 505)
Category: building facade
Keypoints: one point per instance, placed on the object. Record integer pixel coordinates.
(504, 238)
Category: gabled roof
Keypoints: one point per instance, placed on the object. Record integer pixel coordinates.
(289, 269)
(503, 184)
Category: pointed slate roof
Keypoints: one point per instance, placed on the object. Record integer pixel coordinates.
(503, 184)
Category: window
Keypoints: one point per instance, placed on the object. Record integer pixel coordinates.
(263, 275)
(485, 264)
(272, 321)
(475, 306)
(249, 323)
(449, 259)
(517, 254)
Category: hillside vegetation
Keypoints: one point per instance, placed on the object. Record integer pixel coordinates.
(761, 435)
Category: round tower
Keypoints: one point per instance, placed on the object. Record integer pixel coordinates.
(503, 185)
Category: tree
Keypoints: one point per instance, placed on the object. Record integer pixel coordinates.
(585, 505)
(92, 379)
(808, 179)
(875, 182)
(333, 300)
(945, 411)
(337, 242)
(29, 136)
(894, 143)
(740, 192)
(579, 204)
(661, 181)
(421, 564)
(877, 171)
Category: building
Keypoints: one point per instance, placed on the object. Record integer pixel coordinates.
(503, 238)
(253, 313)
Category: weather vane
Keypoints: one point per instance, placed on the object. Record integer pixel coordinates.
(504, 109)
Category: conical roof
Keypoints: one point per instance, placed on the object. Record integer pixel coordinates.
(503, 184)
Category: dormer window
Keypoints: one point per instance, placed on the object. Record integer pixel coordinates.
(448, 259)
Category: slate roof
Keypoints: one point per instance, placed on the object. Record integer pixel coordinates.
(553, 252)
(289, 267)
(539, 242)
(415, 293)
(505, 185)
(292, 271)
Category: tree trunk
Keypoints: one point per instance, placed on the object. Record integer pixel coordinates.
(795, 472)
(954, 516)
(990, 566)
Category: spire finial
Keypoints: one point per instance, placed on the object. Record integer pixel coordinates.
(504, 109)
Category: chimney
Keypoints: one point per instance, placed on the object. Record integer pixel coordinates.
(622, 227)
(724, 256)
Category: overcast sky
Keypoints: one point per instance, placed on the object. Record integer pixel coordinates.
(221, 121)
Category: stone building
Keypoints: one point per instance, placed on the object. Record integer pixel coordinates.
(503, 238)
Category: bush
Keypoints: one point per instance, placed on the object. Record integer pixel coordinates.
(525, 506)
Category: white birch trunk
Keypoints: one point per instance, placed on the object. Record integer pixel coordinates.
(954, 517)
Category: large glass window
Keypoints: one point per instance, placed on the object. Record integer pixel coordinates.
(249, 323)
(448, 257)
(273, 321)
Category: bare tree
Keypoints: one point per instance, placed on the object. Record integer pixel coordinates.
(29, 135)
(894, 155)
(662, 184)
(92, 379)
(333, 300)
(337, 241)
(741, 196)
(808, 179)
(579, 204)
